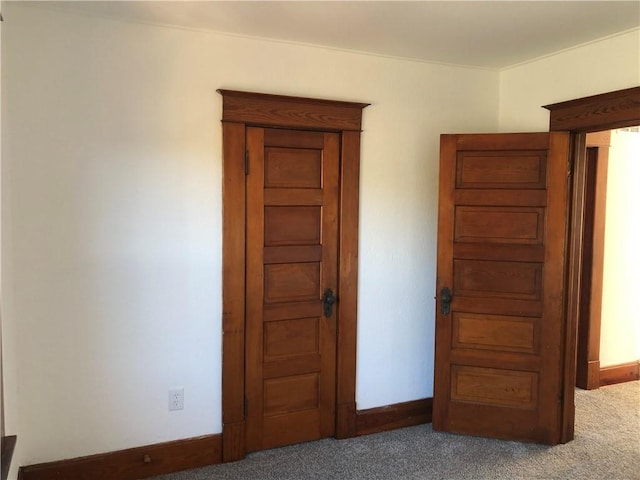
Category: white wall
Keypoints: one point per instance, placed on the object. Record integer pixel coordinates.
(608, 65)
(599, 67)
(112, 218)
(620, 327)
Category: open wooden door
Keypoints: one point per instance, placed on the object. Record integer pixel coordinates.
(502, 233)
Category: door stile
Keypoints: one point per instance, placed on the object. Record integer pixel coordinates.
(255, 288)
(329, 280)
(554, 286)
(233, 291)
(445, 275)
(575, 243)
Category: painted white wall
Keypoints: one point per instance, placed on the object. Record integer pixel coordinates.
(112, 218)
(603, 66)
(598, 67)
(620, 327)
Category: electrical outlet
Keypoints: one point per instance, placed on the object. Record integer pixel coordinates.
(176, 398)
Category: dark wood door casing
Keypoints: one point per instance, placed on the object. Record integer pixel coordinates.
(241, 110)
(589, 320)
(580, 116)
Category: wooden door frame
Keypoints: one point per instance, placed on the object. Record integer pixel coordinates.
(239, 110)
(589, 318)
(607, 111)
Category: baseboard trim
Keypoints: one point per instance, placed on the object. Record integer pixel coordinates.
(133, 463)
(626, 372)
(399, 415)
(7, 444)
(162, 458)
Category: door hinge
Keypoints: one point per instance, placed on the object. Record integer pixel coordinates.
(246, 162)
(570, 165)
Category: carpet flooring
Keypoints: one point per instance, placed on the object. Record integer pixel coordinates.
(606, 446)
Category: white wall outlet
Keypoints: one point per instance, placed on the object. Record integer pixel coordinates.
(176, 398)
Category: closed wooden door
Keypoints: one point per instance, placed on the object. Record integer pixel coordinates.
(502, 233)
(292, 260)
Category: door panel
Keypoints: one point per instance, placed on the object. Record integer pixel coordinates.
(291, 282)
(494, 332)
(491, 386)
(492, 224)
(287, 168)
(501, 252)
(292, 226)
(292, 210)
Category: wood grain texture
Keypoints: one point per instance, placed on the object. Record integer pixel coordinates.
(399, 415)
(512, 142)
(516, 168)
(446, 208)
(287, 226)
(493, 386)
(590, 313)
(278, 336)
(626, 372)
(495, 332)
(499, 279)
(233, 288)
(257, 287)
(598, 112)
(584, 323)
(291, 282)
(346, 421)
(593, 374)
(293, 168)
(574, 283)
(512, 225)
(348, 280)
(552, 331)
(133, 463)
(296, 112)
(234, 441)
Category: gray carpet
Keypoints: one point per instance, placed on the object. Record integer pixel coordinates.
(606, 446)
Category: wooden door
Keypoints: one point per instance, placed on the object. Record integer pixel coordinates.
(502, 233)
(292, 259)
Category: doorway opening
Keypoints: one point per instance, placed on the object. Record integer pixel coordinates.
(606, 327)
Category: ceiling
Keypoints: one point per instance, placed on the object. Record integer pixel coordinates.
(487, 34)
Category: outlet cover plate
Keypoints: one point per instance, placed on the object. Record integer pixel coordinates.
(176, 398)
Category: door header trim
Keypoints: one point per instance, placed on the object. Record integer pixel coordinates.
(294, 112)
(595, 113)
